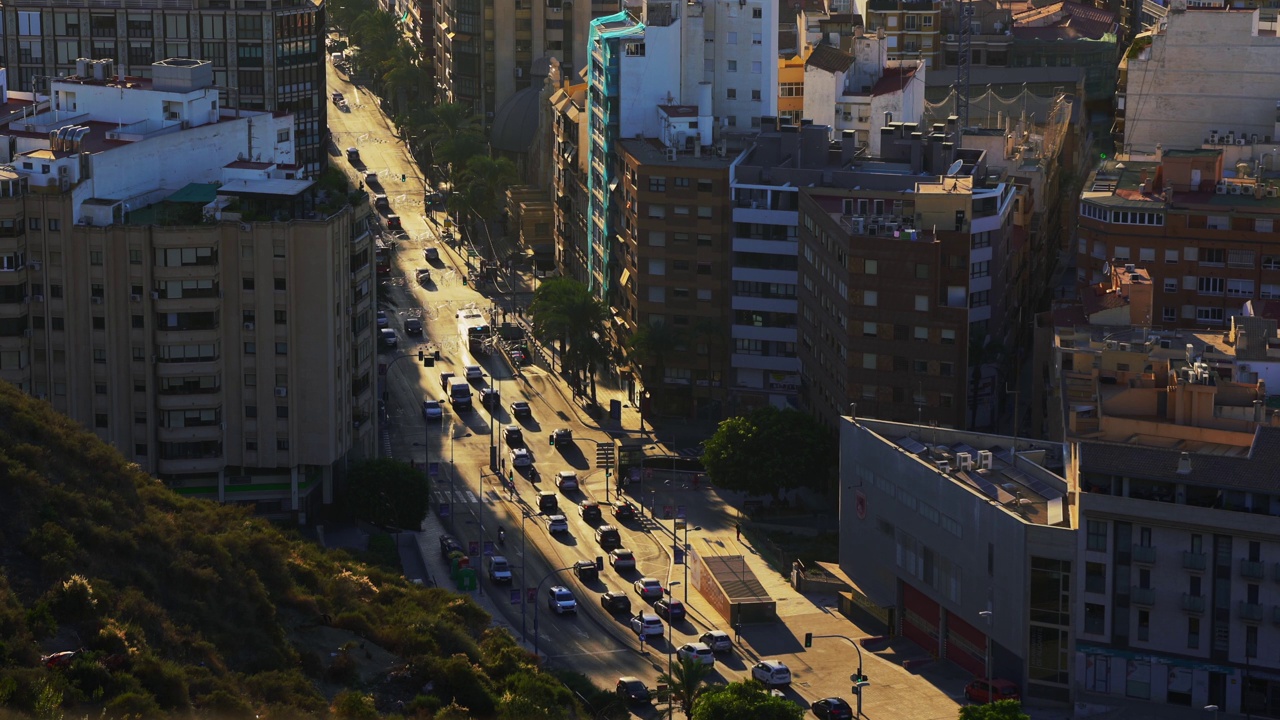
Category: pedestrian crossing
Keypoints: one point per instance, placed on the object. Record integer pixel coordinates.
(460, 496)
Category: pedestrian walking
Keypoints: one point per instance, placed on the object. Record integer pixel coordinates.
(737, 527)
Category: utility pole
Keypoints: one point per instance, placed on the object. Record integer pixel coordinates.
(860, 682)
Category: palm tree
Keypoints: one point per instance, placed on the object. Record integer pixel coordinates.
(454, 134)
(565, 311)
(686, 681)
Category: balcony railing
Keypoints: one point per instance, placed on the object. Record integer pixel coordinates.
(1193, 561)
(1144, 554)
(1250, 611)
(1192, 603)
(1142, 596)
(1252, 569)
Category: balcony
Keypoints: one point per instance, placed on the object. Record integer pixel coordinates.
(1193, 603)
(1250, 612)
(1252, 569)
(1193, 561)
(1144, 555)
(1145, 597)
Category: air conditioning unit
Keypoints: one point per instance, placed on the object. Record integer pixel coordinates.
(555, 11)
(1240, 141)
(1273, 191)
(38, 298)
(964, 461)
(984, 459)
(34, 264)
(1213, 137)
(282, 392)
(857, 225)
(135, 298)
(951, 38)
(944, 467)
(1222, 188)
(248, 326)
(1237, 189)
(95, 300)
(155, 295)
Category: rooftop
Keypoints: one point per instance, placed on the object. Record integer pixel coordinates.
(1252, 468)
(894, 79)
(829, 58)
(1064, 21)
(650, 151)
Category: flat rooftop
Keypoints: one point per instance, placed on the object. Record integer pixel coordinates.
(652, 152)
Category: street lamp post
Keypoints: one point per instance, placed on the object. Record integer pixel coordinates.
(860, 681)
(1213, 709)
(987, 614)
(524, 589)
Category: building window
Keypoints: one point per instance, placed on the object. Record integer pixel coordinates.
(95, 257)
(1171, 285)
(682, 182)
(922, 303)
(1095, 618)
(1096, 538)
(1209, 315)
(705, 186)
(282, 411)
(731, 94)
(920, 367)
(280, 284)
(947, 369)
(948, 337)
(704, 211)
(1193, 633)
(981, 298)
(251, 411)
(100, 420)
(250, 348)
(870, 298)
(657, 184)
(658, 211)
(869, 329)
(246, 283)
(1144, 625)
(282, 443)
(756, 68)
(868, 361)
(1169, 314)
(1095, 577)
(731, 65)
(704, 268)
(1251, 641)
(921, 334)
(979, 269)
(282, 348)
(871, 267)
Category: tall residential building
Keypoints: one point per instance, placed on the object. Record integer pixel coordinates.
(208, 315)
(569, 180)
(721, 58)
(1201, 222)
(1197, 74)
(266, 54)
(913, 28)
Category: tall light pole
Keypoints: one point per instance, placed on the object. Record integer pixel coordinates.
(860, 681)
(987, 614)
(524, 589)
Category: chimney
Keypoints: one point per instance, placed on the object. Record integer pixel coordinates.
(1259, 411)
(1242, 340)
(1146, 180)
(1159, 152)
(1184, 464)
(848, 146)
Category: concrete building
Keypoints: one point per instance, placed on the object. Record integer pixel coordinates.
(569, 180)
(265, 55)
(963, 547)
(1179, 544)
(720, 58)
(912, 28)
(197, 279)
(1201, 222)
(1175, 86)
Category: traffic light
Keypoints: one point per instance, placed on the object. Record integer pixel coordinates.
(551, 439)
(859, 679)
(808, 640)
(422, 355)
(404, 177)
(599, 563)
(511, 476)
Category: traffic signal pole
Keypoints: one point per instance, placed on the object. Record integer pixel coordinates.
(860, 681)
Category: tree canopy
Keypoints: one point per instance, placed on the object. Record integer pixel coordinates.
(564, 311)
(739, 700)
(1000, 710)
(387, 493)
(770, 451)
(686, 682)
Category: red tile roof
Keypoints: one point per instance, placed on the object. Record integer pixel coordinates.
(893, 80)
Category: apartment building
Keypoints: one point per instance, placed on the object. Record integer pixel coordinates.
(1178, 602)
(720, 58)
(674, 279)
(912, 28)
(964, 547)
(1192, 60)
(569, 180)
(1201, 222)
(266, 54)
(199, 282)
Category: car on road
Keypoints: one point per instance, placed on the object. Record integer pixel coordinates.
(513, 435)
(395, 225)
(381, 202)
(413, 326)
(608, 538)
(717, 640)
(586, 571)
(615, 602)
(382, 319)
(474, 372)
(561, 601)
(648, 588)
(771, 673)
(832, 708)
(647, 624)
(696, 651)
(623, 510)
(561, 435)
(489, 397)
(449, 546)
(632, 690)
(499, 569)
(431, 254)
(557, 524)
(520, 457)
(982, 691)
(389, 338)
(547, 503)
(567, 480)
(353, 155)
(670, 609)
(520, 409)
(590, 511)
(622, 559)
(432, 409)
(424, 276)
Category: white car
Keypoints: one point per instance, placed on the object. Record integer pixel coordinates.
(561, 600)
(622, 559)
(697, 651)
(520, 457)
(647, 624)
(649, 588)
(432, 409)
(474, 372)
(557, 524)
(771, 673)
(717, 640)
(499, 569)
(389, 337)
(567, 480)
(383, 320)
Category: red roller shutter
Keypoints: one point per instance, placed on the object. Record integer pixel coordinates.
(966, 646)
(920, 619)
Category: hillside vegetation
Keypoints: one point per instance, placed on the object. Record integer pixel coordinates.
(184, 608)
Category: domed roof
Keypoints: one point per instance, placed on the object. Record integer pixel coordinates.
(516, 121)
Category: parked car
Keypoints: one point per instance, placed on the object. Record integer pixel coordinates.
(623, 510)
(633, 690)
(389, 338)
(670, 609)
(413, 326)
(622, 559)
(513, 435)
(557, 524)
(647, 624)
(520, 457)
(717, 640)
(696, 651)
(567, 480)
(615, 602)
(449, 546)
(520, 409)
(608, 538)
(547, 503)
(561, 601)
(648, 588)
(590, 511)
(832, 708)
(982, 691)
(382, 319)
(499, 569)
(771, 673)
(432, 409)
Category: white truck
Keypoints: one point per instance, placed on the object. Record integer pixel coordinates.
(459, 390)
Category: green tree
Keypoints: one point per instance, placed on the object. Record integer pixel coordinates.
(387, 493)
(650, 347)
(686, 681)
(454, 134)
(739, 700)
(565, 312)
(999, 710)
(480, 188)
(770, 451)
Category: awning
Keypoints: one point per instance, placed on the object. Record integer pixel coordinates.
(624, 277)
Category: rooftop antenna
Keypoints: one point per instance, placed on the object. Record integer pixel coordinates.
(955, 169)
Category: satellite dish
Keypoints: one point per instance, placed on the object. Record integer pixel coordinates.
(955, 168)
(1106, 268)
